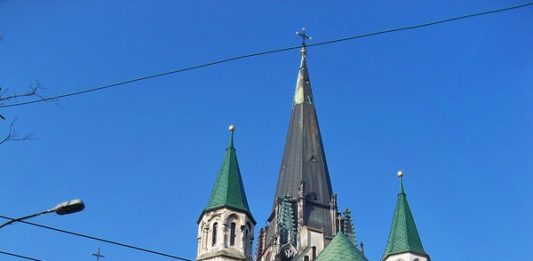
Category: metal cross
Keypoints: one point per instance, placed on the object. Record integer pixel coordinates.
(98, 255)
(304, 36)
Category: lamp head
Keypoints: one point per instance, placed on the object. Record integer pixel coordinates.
(69, 207)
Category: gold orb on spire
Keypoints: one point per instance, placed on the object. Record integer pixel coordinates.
(231, 128)
(400, 173)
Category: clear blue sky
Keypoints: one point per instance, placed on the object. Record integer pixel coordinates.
(451, 105)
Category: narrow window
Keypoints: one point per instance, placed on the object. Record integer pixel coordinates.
(214, 239)
(245, 242)
(306, 258)
(314, 253)
(232, 234)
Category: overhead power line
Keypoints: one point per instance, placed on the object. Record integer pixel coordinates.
(194, 67)
(20, 256)
(98, 239)
(411, 27)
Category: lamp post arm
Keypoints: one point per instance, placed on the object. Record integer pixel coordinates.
(26, 217)
(65, 208)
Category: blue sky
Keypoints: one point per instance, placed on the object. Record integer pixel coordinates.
(451, 105)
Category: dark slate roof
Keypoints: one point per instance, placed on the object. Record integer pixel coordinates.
(304, 159)
(228, 191)
(403, 236)
(341, 249)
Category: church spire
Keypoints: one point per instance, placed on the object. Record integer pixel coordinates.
(226, 225)
(229, 190)
(303, 180)
(304, 159)
(403, 237)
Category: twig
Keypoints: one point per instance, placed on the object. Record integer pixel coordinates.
(12, 134)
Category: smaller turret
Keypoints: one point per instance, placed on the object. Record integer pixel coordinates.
(347, 226)
(226, 225)
(404, 242)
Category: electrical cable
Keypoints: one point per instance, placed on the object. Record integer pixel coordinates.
(98, 239)
(404, 28)
(20, 256)
(411, 27)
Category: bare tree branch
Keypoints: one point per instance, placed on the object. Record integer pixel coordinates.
(33, 90)
(13, 135)
(6, 97)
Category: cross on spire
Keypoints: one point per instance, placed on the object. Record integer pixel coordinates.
(304, 36)
(98, 255)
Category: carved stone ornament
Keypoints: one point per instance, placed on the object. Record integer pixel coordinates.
(288, 251)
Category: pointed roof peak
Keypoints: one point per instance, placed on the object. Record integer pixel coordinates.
(304, 159)
(403, 237)
(400, 175)
(228, 191)
(303, 92)
(303, 53)
(341, 248)
(232, 129)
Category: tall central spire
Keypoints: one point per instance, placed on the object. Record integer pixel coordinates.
(303, 193)
(304, 160)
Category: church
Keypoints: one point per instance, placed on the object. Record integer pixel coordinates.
(305, 223)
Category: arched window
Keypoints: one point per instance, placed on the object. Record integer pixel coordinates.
(232, 234)
(246, 242)
(314, 252)
(214, 238)
(306, 258)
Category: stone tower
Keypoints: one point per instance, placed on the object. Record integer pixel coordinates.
(304, 217)
(404, 242)
(226, 225)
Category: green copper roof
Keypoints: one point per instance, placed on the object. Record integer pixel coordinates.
(228, 191)
(341, 248)
(403, 235)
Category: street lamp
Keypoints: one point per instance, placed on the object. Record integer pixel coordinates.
(64, 208)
